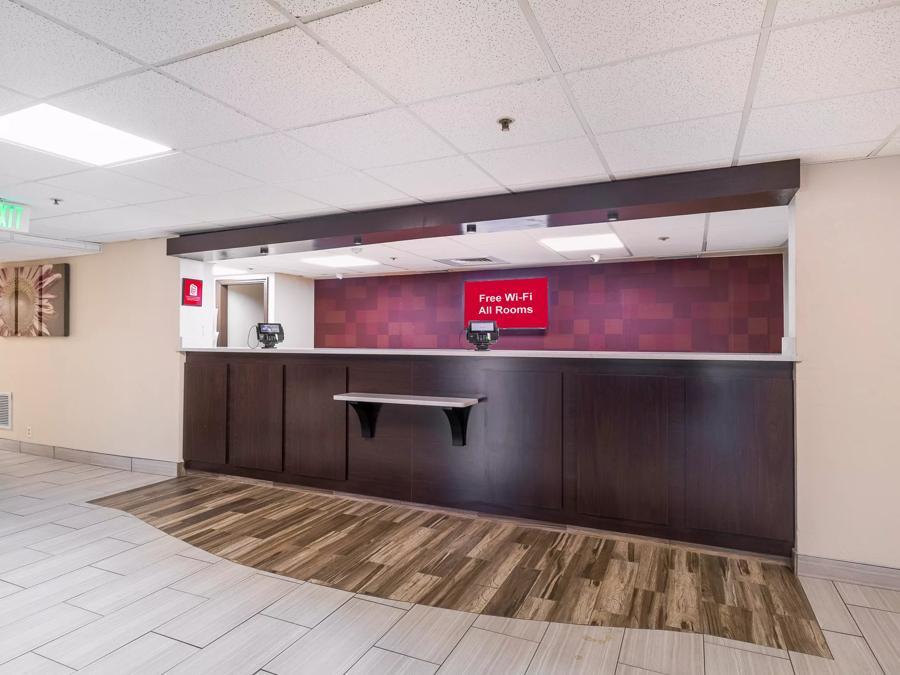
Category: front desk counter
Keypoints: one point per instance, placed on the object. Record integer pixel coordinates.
(694, 447)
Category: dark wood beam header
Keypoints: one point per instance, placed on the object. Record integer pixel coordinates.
(727, 189)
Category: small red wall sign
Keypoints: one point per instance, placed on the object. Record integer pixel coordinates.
(512, 303)
(192, 292)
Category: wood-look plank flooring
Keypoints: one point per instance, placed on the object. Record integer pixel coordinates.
(482, 565)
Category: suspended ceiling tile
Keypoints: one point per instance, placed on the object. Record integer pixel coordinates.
(513, 247)
(792, 11)
(350, 191)
(419, 49)
(400, 260)
(584, 33)
(892, 148)
(438, 178)
(669, 145)
(121, 221)
(545, 164)
(38, 248)
(186, 174)
(309, 8)
(151, 233)
(435, 248)
(40, 198)
(40, 58)
(10, 101)
(841, 56)
(241, 221)
(284, 79)
(155, 30)
(7, 179)
(839, 121)
(106, 184)
(277, 201)
(685, 235)
(26, 164)
(697, 82)
(378, 139)
(157, 108)
(748, 229)
(205, 208)
(720, 163)
(539, 109)
(273, 158)
(831, 153)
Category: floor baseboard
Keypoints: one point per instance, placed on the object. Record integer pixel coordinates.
(852, 572)
(122, 462)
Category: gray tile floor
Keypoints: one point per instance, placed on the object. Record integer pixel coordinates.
(90, 589)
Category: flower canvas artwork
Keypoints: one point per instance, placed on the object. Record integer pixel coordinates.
(34, 301)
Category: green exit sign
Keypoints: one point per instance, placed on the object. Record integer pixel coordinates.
(14, 217)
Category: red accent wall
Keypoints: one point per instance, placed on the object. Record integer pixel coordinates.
(731, 304)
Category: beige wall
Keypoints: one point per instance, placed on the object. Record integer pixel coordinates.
(114, 385)
(294, 300)
(848, 383)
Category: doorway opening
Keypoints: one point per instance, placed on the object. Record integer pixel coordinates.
(240, 305)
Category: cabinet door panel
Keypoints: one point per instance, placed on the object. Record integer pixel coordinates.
(205, 391)
(627, 445)
(443, 473)
(380, 466)
(315, 425)
(740, 459)
(255, 415)
(523, 440)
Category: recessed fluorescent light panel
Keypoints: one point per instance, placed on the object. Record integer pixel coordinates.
(587, 242)
(340, 261)
(59, 132)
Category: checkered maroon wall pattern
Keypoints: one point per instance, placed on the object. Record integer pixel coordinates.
(732, 304)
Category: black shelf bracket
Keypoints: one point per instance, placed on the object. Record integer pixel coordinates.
(367, 407)
(368, 416)
(459, 423)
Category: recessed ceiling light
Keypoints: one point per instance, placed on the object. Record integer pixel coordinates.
(59, 132)
(340, 261)
(587, 242)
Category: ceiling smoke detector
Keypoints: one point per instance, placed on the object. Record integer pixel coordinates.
(505, 123)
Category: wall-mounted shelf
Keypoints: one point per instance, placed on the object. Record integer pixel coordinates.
(368, 405)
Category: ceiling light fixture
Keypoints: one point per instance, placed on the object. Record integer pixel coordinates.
(340, 261)
(50, 129)
(587, 242)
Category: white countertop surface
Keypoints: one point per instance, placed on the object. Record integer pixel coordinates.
(513, 353)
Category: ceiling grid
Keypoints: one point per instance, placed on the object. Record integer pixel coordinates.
(602, 90)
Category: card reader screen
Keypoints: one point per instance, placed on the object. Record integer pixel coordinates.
(482, 326)
(269, 328)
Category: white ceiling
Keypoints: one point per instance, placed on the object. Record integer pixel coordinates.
(287, 108)
(676, 236)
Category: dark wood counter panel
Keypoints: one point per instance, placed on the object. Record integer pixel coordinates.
(700, 451)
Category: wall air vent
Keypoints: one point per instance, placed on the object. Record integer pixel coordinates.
(472, 262)
(5, 410)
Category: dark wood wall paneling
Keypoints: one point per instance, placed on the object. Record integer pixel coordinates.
(315, 425)
(256, 415)
(624, 435)
(690, 450)
(205, 406)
